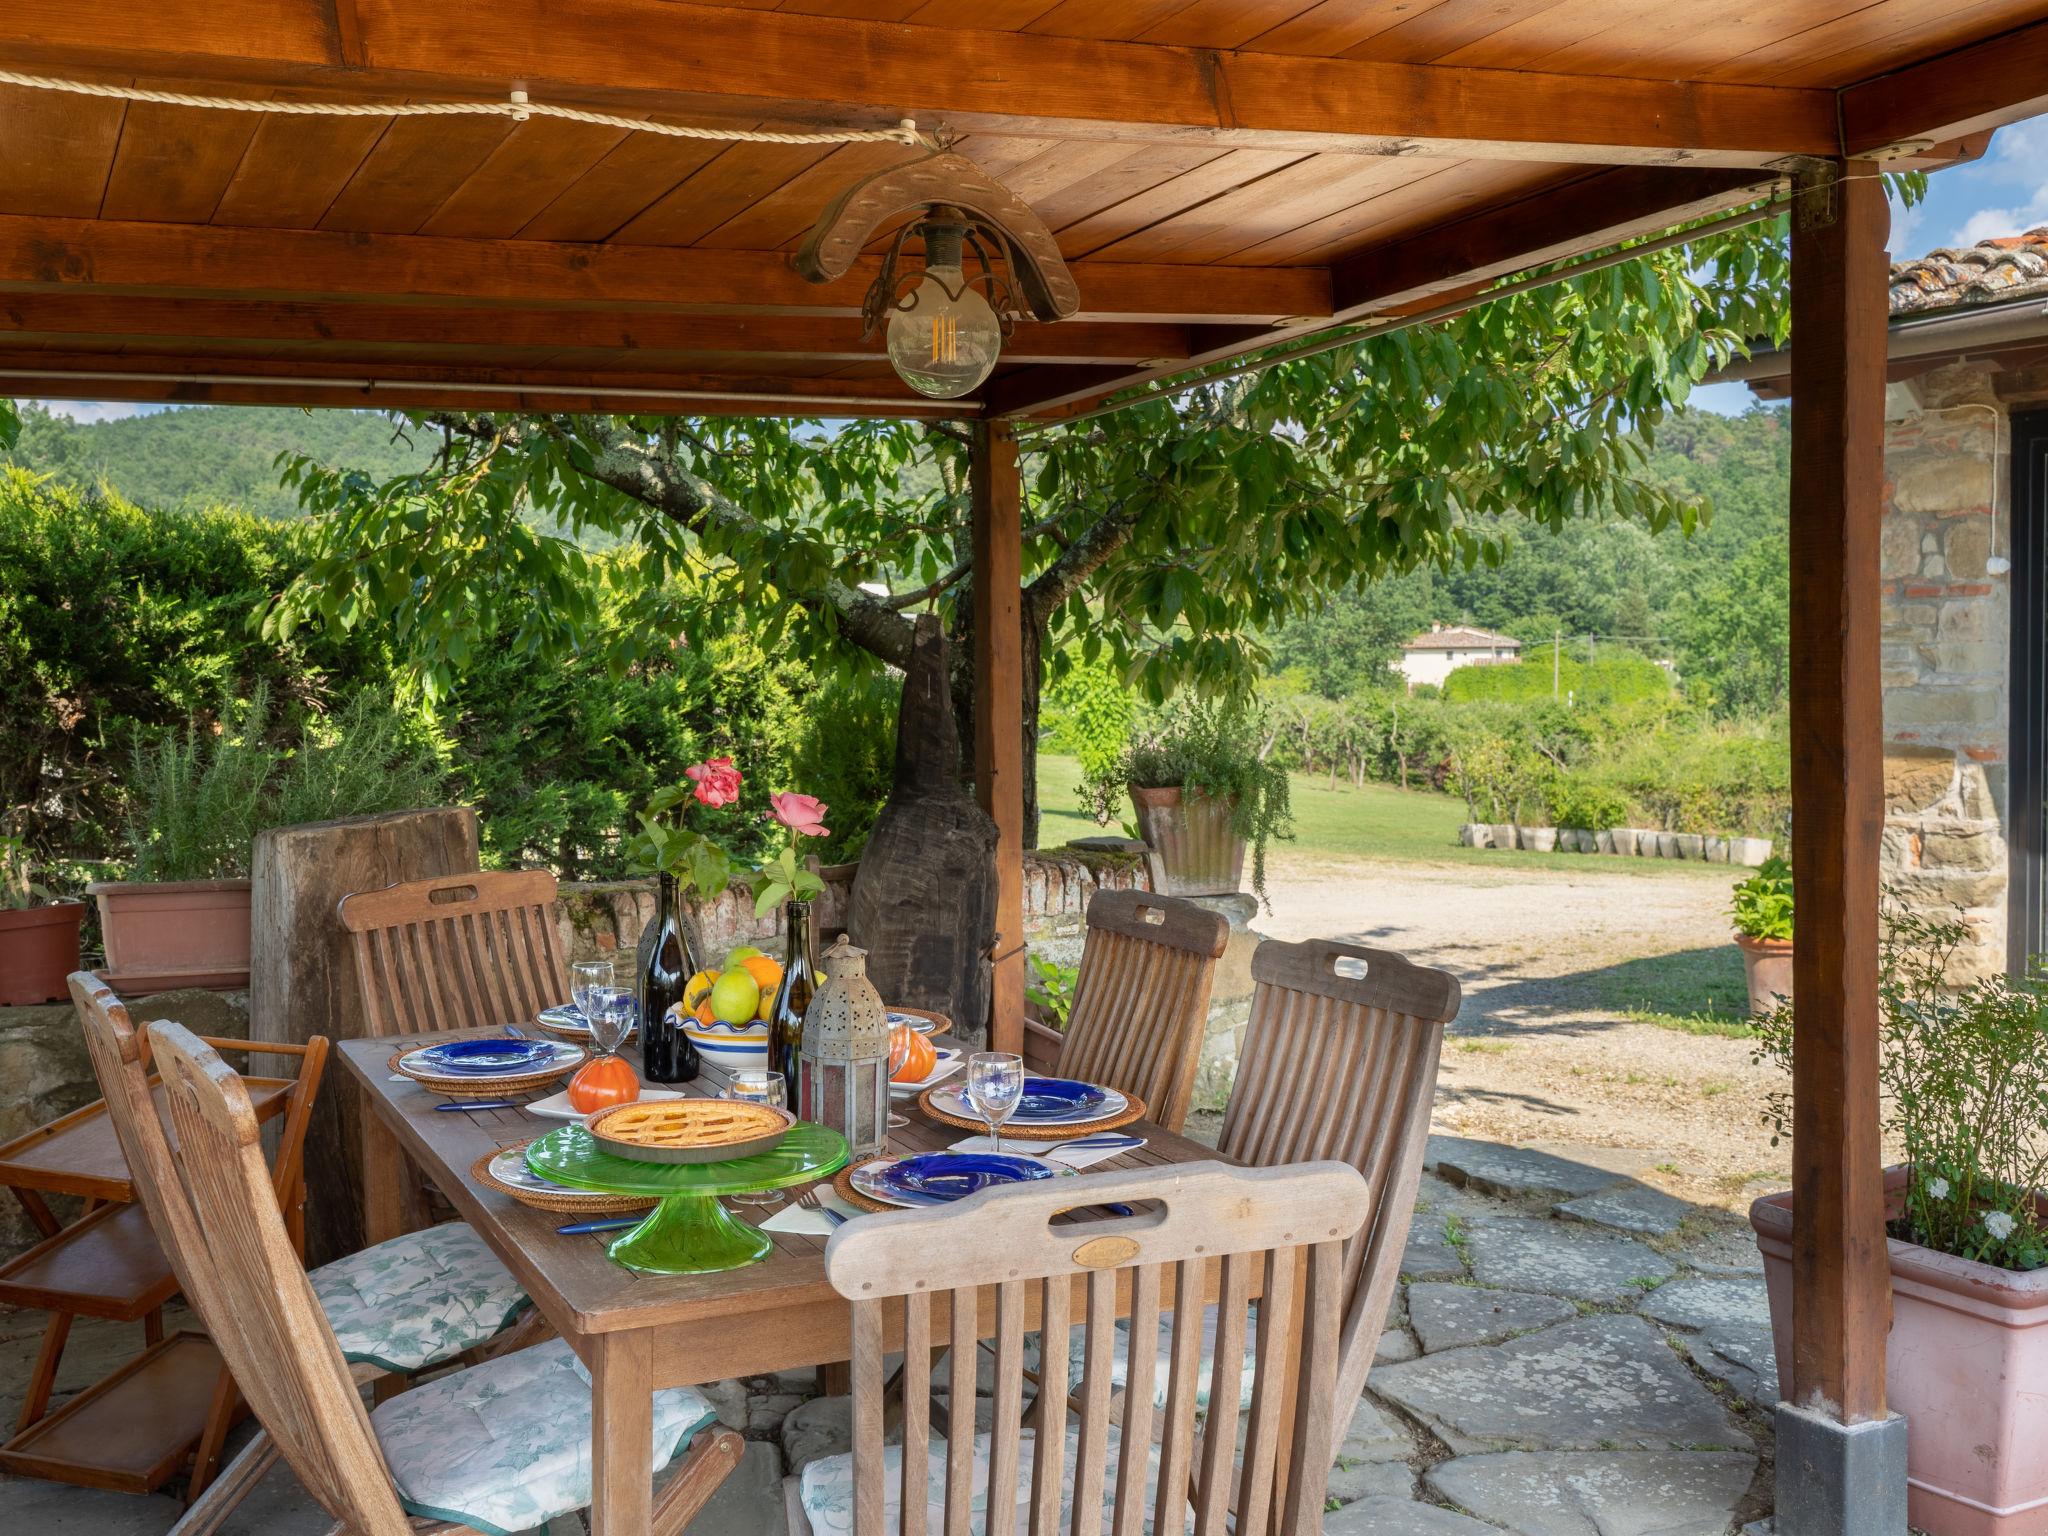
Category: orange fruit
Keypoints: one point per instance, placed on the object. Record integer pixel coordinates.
(704, 1013)
(766, 973)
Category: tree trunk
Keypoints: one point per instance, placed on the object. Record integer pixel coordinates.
(961, 640)
(302, 978)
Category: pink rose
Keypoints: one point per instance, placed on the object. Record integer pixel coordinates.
(802, 814)
(717, 781)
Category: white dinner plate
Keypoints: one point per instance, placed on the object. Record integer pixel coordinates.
(556, 1105)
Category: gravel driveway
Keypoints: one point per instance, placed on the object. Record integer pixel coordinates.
(1533, 1058)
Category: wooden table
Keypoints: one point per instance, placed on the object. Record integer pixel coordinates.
(638, 1333)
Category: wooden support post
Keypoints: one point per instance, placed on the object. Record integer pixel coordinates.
(1841, 1286)
(999, 708)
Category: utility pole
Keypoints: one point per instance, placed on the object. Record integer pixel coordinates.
(1556, 661)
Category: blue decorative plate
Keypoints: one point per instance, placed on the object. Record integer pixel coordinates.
(504, 1057)
(1061, 1098)
(937, 1178)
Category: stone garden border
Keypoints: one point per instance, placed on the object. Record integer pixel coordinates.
(1637, 842)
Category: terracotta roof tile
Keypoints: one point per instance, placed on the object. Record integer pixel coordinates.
(1459, 637)
(1989, 272)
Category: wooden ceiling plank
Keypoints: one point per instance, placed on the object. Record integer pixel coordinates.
(1223, 23)
(1260, 210)
(416, 166)
(294, 169)
(1137, 173)
(1983, 86)
(1210, 180)
(782, 217)
(640, 171)
(59, 151)
(87, 255)
(1336, 27)
(175, 162)
(1438, 30)
(989, 15)
(1091, 18)
(537, 163)
(738, 175)
(1459, 187)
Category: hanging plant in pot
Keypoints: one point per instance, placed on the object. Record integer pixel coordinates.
(1204, 791)
(1762, 909)
(1964, 1075)
(38, 932)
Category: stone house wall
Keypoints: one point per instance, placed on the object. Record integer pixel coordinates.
(1947, 637)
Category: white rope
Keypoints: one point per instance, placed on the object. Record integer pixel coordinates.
(519, 108)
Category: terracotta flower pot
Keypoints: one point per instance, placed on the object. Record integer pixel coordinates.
(174, 933)
(1041, 1047)
(38, 949)
(1767, 964)
(1966, 1363)
(1193, 850)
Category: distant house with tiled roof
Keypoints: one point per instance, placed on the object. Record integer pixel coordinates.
(1433, 657)
(1964, 560)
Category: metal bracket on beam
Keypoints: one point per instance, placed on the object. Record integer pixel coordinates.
(1816, 185)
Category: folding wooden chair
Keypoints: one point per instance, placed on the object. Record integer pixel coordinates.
(136, 1429)
(1004, 1254)
(413, 1304)
(1141, 1002)
(1339, 1061)
(495, 1447)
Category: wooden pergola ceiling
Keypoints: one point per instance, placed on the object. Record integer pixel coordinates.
(1221, 174)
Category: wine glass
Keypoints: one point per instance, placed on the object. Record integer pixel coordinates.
(751, 1085)
(613, 1012)
(588, 978)
(995, 1083)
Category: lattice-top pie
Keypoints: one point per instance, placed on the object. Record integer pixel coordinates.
(688, 1123)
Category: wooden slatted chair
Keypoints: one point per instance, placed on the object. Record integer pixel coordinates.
(1141, 1002)
(471, 951)
(1206, 1229)
(458, 952)
(1340, 1061)
(501, 1446)
(413, 1304)
(171, 1400)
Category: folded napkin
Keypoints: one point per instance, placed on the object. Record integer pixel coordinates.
(796, 1218)
(1082, 1152)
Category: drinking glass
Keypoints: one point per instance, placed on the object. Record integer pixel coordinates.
(613, 1012)
(751, 1085)
(995, 1082)
(587, 978)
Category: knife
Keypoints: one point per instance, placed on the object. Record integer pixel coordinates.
(609, 1224)
(469, 1104)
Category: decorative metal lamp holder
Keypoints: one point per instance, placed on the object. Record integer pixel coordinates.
(844, 1069)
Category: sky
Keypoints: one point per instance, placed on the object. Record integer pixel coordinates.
(2003, 193)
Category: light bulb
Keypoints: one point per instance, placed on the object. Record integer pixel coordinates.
(944, 346)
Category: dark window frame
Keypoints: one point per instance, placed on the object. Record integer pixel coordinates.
(2027, 744)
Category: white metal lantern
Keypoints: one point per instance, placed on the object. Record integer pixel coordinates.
(844, 1070)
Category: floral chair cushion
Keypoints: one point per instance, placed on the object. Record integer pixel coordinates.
(505, 1446)
(825, 1487)
(418, 1300)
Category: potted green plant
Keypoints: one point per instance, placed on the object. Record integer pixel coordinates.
(38, 932)
(1048, 1000)
(198, 798)
(1964, 1077)
(1762, 909)
(1204, 791)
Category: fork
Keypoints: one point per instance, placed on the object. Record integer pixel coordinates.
(809, 1201)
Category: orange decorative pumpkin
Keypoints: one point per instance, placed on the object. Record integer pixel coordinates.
(911, 1056)
(601, 1083)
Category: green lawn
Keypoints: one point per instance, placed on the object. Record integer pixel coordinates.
(1375, 821)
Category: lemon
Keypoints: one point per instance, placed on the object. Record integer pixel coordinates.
(697, 988)
(734, 997)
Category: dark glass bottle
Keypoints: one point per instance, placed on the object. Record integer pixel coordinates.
(792, 998)
(665, 1051)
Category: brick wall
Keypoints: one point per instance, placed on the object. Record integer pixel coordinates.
(1946, 638)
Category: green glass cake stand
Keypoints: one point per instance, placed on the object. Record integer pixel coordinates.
(689, 1232)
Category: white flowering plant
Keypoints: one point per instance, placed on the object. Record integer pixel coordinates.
(1964, 1074)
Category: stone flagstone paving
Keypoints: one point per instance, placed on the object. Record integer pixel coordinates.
(1569, 1356)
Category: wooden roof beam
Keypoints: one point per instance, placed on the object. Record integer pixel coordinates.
(196, 261)
(60, 375)
(91, 318)
(715, 62)
(1450, 262)
(1971, 90)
